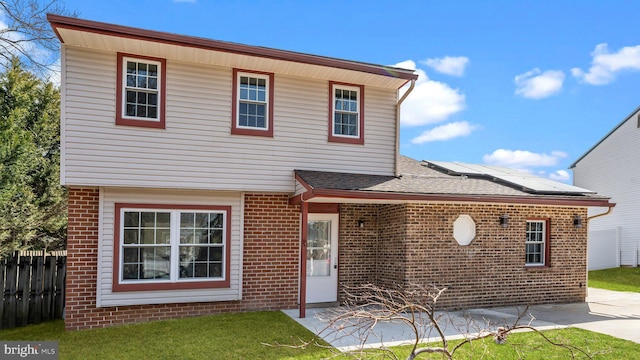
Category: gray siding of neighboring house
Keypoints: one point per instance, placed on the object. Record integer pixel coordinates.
(612, 168)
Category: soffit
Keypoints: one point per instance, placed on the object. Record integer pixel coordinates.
(196, 54)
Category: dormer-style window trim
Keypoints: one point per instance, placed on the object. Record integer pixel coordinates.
(140, 91)
(346, 113)
(252, 103)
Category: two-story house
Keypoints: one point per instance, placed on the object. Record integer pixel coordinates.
(207, 176)
(609, 167)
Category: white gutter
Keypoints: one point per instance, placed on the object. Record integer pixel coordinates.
(406, 93)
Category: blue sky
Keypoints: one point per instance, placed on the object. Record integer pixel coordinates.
(529, 85)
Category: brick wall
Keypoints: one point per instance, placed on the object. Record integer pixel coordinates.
(392, 250)
(416, 246)
(399, 244)
(271, 233)
(358, 247)
(271, 252)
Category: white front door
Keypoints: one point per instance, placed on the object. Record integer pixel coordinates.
(322, 258)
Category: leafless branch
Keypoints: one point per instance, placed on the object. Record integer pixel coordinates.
(27, 34)
(370, 305)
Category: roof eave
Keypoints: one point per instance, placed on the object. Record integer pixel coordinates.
(376, 195)
(604, 138)
(58, 21)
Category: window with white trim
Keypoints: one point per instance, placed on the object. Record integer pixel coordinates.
(252, 103)
(346, 116)
(140, 91)
(536, 243)
(345, 112)
(159, 245)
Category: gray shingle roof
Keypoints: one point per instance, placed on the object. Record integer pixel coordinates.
(415, 178)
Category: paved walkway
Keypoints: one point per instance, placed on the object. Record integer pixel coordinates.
(608, 312)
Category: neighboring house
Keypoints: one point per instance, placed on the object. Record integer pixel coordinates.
(207, 177)
(611, 167)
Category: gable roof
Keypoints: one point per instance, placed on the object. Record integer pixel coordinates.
(86, 33)
(419, 182)
(605, 137)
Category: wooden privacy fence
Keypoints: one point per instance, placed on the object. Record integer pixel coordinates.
(32, 285)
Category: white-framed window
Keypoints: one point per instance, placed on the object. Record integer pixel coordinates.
(164, 247)
(252, 107)
(141, 91)
(537, 243)
(346, 116)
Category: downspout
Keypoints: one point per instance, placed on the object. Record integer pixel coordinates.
(406, 93)
(603, 214)
(589, 218)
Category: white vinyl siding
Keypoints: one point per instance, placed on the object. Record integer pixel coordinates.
(196, 150)
(612, 169)
(109, 196)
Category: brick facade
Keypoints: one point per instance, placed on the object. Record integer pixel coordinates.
(271, 232)
(416, 246)
(358, 246)
(398, 244)
(271, 252)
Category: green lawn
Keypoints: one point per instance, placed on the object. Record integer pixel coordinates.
(241, 336)
(618, 279)
(227, 336)
(531, 346)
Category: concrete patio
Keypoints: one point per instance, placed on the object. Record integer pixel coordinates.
(608, 312)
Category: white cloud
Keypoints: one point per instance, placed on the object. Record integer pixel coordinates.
(522, 159)
(560, 175)
(445, 132)
(605, 64)
(536, 84)
(450, 65)
(430, 101)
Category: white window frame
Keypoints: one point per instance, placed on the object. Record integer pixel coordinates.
(267, 121)
(544, 234)
(157, 91)
(174, 243)
(334, 87)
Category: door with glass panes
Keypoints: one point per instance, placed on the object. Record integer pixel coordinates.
(322, 258)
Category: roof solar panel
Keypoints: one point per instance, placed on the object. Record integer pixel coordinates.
(526, 181)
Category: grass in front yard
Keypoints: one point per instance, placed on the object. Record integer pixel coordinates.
(531, 346)
(241, 336)
(227, 336)
(617, 279)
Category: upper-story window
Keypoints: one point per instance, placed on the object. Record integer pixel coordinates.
(141, 91)
(346, 122)
(537, 243)
(252, 111)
